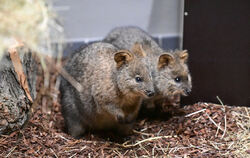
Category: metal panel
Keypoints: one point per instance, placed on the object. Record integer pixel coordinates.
(217, 35)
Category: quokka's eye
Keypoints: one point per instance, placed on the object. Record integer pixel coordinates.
(138, 79)
(177, 79)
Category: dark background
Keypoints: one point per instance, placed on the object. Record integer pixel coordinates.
(217, 35)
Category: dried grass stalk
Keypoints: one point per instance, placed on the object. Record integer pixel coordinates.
(30, 21)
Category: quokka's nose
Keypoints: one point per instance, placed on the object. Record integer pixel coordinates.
(149, 93)
(187, 91)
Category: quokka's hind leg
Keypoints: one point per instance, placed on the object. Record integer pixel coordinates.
(75, 127)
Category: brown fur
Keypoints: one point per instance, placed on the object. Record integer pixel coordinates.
(166, 66)
(137, 49)
(165, 60)
(111, 95)
(171, 90)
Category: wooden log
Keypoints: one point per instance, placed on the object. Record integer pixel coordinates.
(15, 102)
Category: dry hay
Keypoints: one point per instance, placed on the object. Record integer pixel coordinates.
(204, 130)
(29, 21)
(240, 140)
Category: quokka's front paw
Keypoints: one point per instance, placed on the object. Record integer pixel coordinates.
(121, 119)
(124, 120)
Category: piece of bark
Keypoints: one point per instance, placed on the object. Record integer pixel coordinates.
(15, 104)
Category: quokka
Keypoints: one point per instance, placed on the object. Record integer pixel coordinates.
(170, 70)
(114, 83)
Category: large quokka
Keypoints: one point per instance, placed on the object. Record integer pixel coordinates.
(171, 74)
(114, 83)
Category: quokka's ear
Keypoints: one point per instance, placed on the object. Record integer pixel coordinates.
(138, 50)
(123, 57)
(183, 55)
(165, 60)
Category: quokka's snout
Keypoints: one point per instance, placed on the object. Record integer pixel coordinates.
(149, 93)
(187, 91)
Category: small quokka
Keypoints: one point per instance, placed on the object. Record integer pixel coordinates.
(170, 71)
(114, 83)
